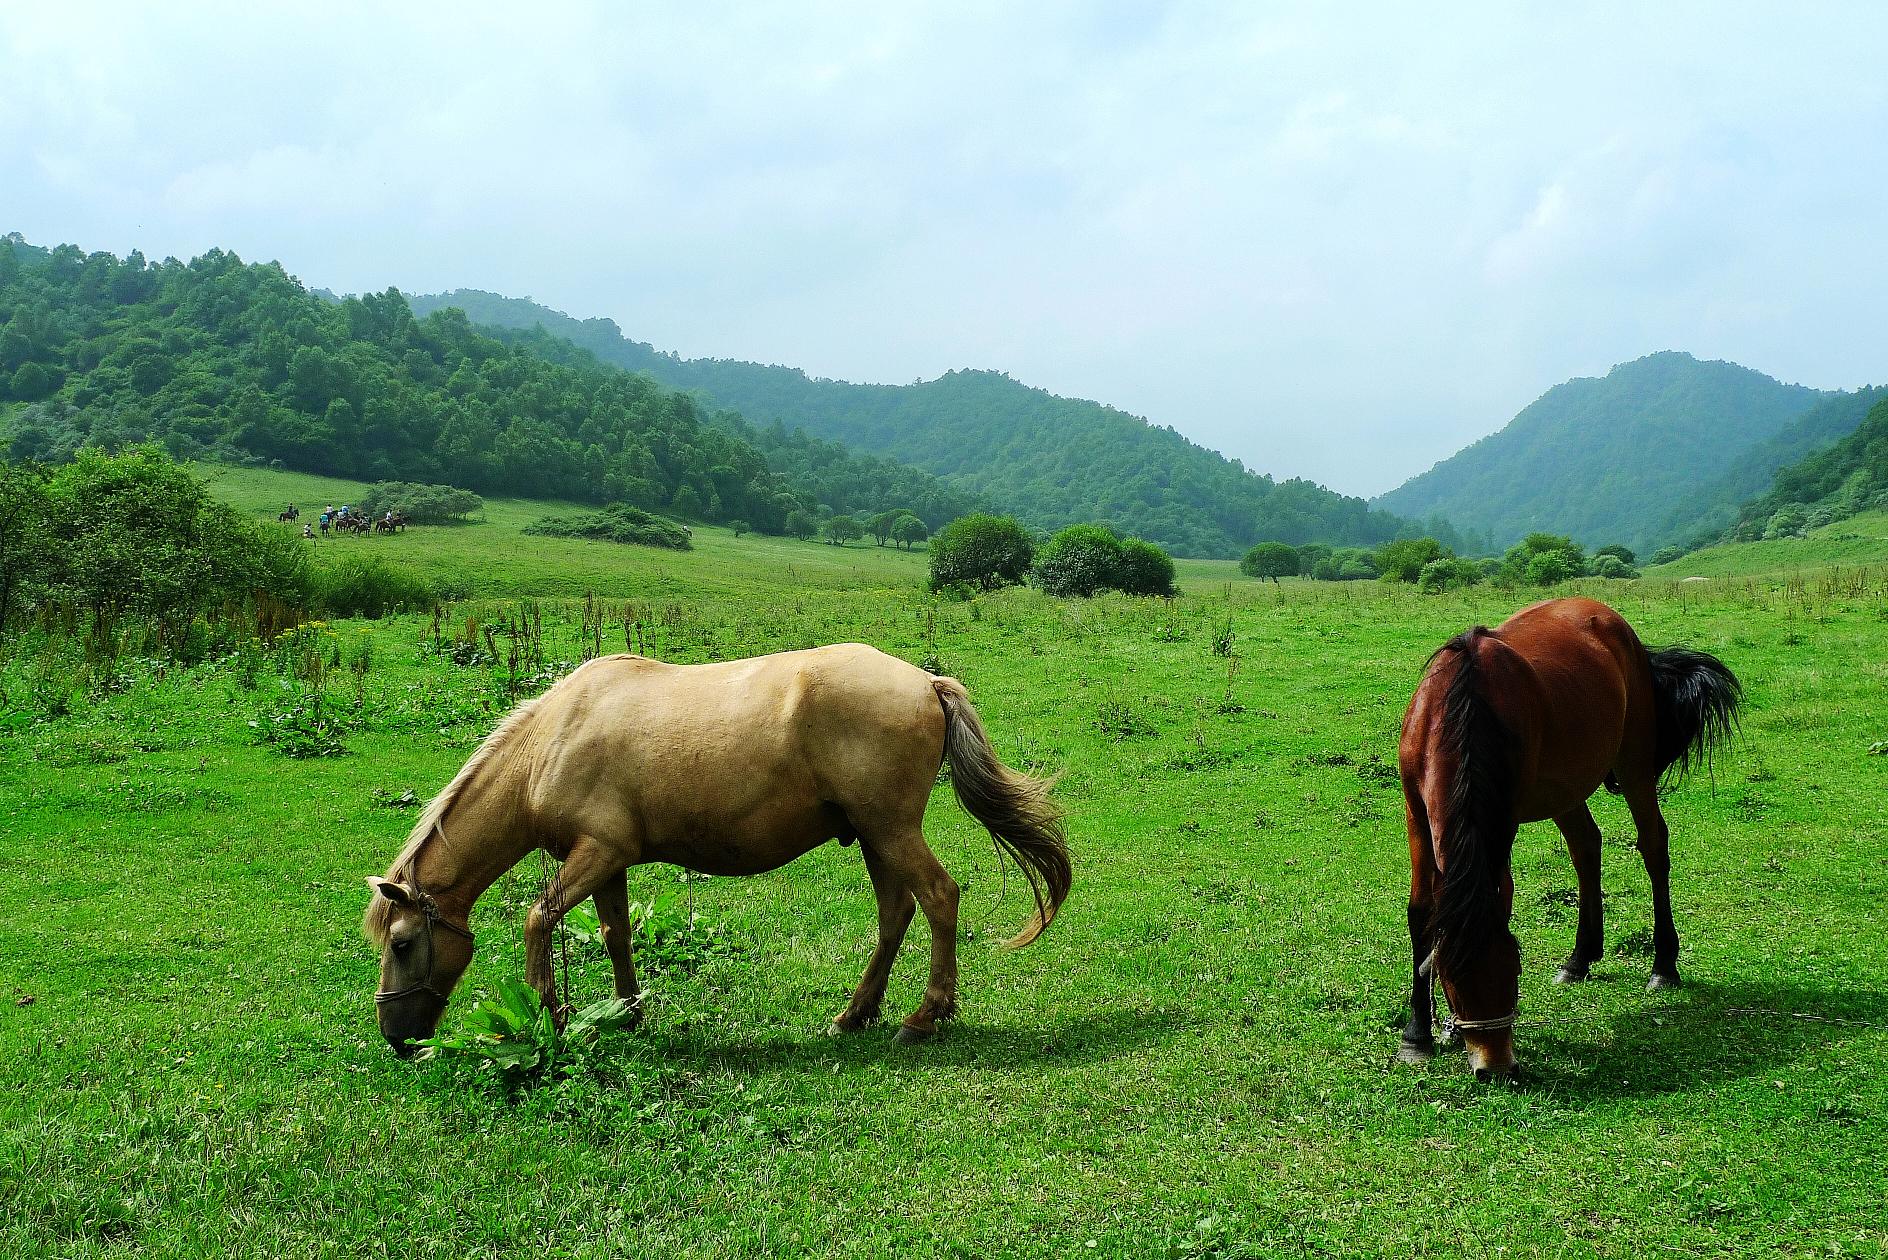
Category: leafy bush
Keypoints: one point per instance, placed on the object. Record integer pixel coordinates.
(1543, 560)
(1079, 561)
(1665, 555)
(802, 524)
(1275, 560)
(136, 536)
(1145, 569)
(618, 523)
(423, 504)
(1448, 574)
(983, 550)
(1611, 566)
(367, 586)
(1404, 559)
(512, 1034)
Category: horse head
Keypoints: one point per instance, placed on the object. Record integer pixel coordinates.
(422, 956)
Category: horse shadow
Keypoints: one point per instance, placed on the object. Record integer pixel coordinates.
(1708, 1032)
(988, 1046)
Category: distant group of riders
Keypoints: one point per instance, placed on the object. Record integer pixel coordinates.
(346, 519)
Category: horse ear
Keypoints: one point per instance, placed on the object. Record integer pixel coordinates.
(398, 894)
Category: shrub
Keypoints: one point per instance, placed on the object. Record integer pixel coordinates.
(1079, 561)
(1608, 565)
(618, 523)
(1403, 560)
(1448, 574)
(419, 503)
(981, 549)
(1624, 554)
(802, 524)
(136, 535)
(1274, 560)
(1665, 555)
(1145, 569)
(367, 586)
(1549, 567)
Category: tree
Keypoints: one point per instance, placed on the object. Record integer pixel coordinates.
(884, 526)
(802, 524)
(983, 550)
(841, 530)
(740, 527)
(1079, 561)
(1543, 560)
(1145, 569)
(1624, 553)
(908, 531)
(25, 550)
(1270, 560)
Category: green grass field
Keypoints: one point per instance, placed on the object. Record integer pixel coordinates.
(1196, 1061)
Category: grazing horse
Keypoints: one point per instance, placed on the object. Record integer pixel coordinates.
(1522, 723)
(732, 768)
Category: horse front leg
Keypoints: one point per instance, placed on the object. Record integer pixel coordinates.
(612, 901)
(896, 905)
(1589, 939)
(583, 871)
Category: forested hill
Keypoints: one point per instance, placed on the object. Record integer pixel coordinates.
(222, 359)
(1709, 510)
(1049, 459)
(1604, 459)
(1828, 486)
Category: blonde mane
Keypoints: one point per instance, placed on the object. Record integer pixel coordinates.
(380, 911)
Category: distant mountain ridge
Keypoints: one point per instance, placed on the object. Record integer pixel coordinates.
(1051, 460)
(1643, 455)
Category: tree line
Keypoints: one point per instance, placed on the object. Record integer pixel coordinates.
(217, 358)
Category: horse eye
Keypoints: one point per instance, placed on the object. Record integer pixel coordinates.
(401, 947)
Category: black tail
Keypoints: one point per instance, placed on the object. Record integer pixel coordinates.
(1478, 819)
(1697, 700)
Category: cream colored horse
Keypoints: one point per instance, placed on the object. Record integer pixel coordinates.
(730, 769)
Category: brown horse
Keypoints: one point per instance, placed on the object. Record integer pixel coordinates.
(1523, 723)
(731, 769)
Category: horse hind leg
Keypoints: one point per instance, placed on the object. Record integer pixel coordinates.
(896, 905)
(1655, 849)
(909, 860)
(1419, 1039)
(1583, 846)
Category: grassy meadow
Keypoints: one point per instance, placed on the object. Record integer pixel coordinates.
(1195, 1061)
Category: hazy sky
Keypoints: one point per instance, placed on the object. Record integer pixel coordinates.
(1337, 241)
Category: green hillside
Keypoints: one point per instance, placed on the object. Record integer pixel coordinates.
(1051, 460)
(1714, 507)
(1859, 541)
(233, 361)
(1604, 459)
(1830, 486)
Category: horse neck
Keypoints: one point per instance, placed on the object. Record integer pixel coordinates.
(477, 838)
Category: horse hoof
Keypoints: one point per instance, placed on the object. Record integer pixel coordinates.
(1658, 982)
(909, 1036)
(1567, 975)
(1416, 1051)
